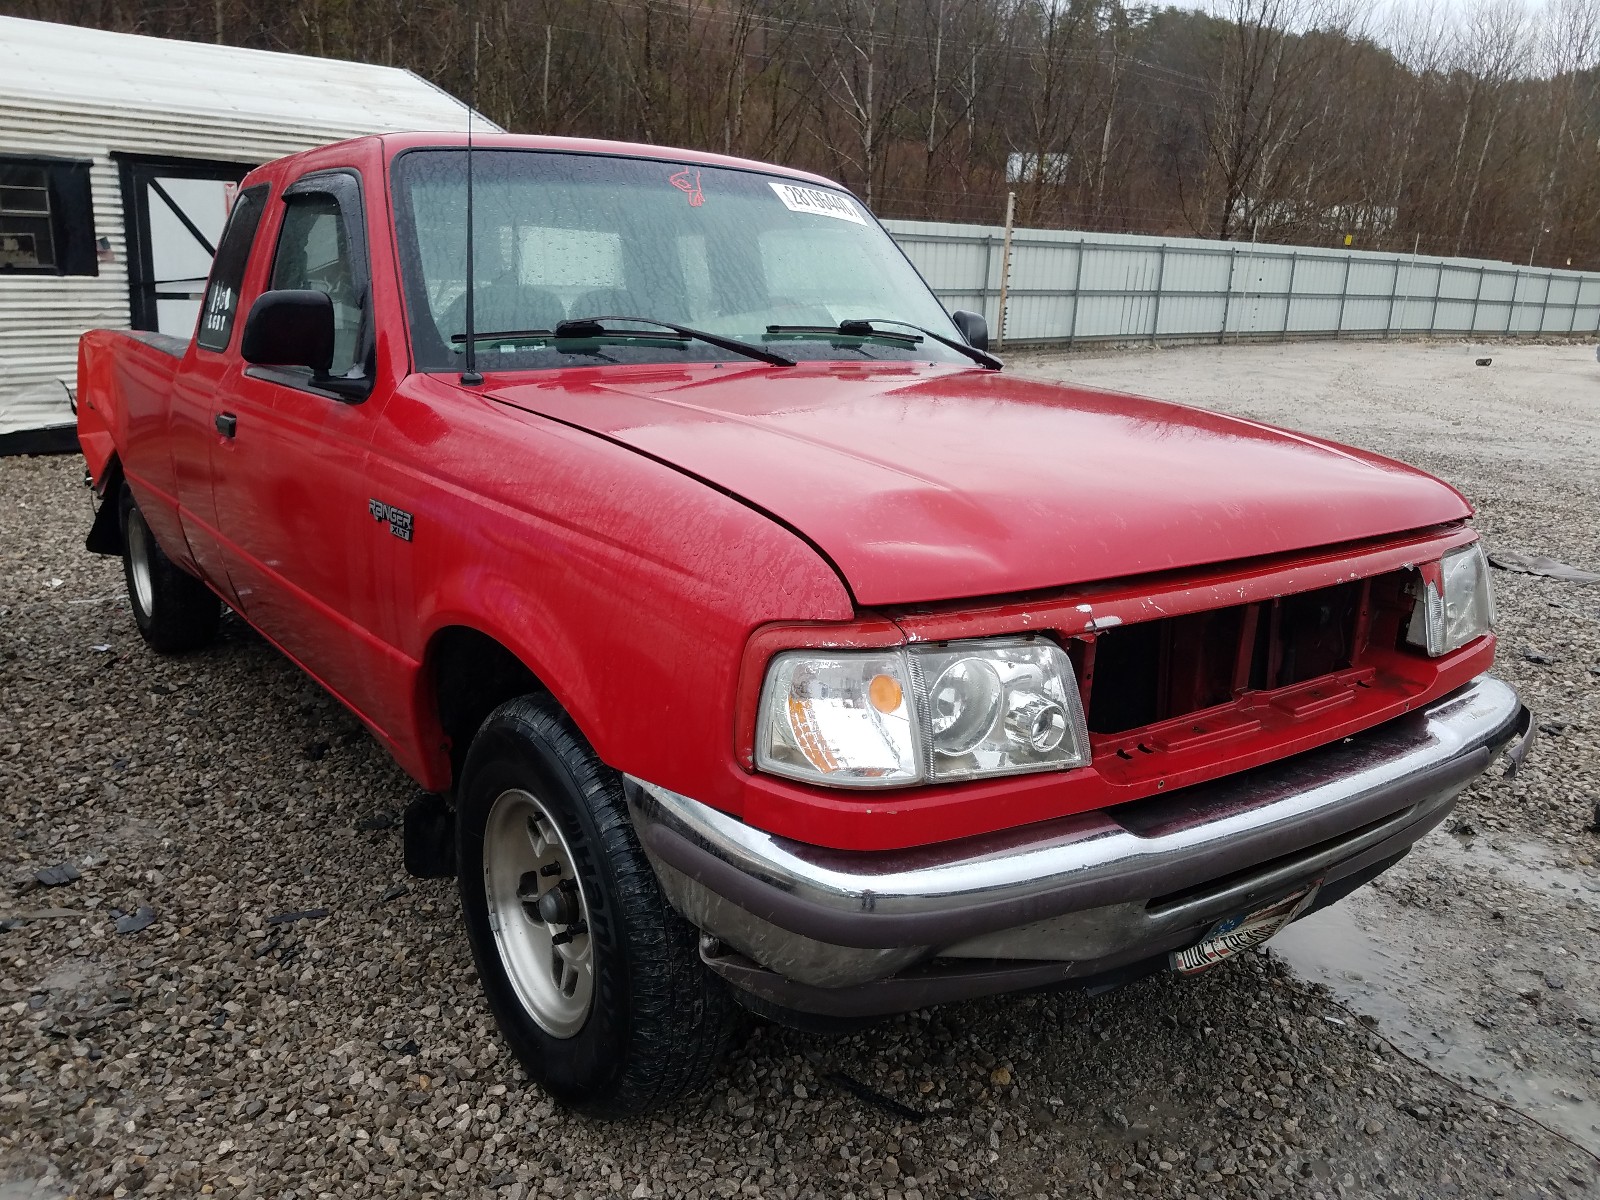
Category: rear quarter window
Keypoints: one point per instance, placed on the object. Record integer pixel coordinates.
(227, 271)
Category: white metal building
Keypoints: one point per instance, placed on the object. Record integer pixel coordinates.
(119, 158)
(1069, 286)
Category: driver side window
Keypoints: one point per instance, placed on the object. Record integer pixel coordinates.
(314, 254)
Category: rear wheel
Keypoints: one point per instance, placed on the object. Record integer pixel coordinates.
(175, 612)
(595, 981)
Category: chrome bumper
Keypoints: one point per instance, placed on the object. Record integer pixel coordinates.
(1072, 897)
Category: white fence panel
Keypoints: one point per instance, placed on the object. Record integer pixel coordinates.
(1067, 286)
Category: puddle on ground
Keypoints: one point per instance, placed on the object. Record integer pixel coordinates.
(1491, 1005)
(1524, 864)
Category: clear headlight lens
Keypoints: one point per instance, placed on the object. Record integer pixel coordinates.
(845, 719)
(963, 704)
(1000, 706)
(1464, 610)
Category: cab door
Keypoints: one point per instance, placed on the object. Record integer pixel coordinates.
(190, 429)
(289, 465)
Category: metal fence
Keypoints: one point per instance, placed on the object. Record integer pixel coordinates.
(1081, 287)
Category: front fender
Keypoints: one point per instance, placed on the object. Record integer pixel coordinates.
(628, 588)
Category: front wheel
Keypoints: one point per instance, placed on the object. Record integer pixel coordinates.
(595, 981)
(175, 612)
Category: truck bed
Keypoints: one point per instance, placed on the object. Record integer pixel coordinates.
(124, 380)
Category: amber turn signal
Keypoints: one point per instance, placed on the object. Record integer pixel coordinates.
(885, 693)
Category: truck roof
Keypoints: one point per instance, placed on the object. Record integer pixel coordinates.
(392, 144)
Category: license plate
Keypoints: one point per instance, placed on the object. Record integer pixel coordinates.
(1238, 934)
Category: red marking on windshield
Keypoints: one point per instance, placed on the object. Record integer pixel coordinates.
(688, 182)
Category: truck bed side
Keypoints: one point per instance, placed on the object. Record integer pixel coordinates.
(125, 379)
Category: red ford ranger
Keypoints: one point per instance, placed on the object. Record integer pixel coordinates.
(771, 645)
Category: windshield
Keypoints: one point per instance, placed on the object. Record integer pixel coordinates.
(562, 236)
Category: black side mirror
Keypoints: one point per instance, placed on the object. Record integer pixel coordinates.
(290, 329)
(973, 327)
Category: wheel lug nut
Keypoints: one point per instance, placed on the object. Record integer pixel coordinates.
(561, 905)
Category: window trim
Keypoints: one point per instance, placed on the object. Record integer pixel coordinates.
(73, 260)
(343, 186)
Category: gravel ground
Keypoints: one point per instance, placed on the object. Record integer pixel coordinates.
(299, 1019)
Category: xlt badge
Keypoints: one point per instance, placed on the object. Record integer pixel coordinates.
(399, 519)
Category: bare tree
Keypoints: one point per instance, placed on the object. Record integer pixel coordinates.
(1061, 36)
(1447, 128)
(1566, 51)
(863, 77)
(1265, 98)
(1491, 47)
(1421, 34)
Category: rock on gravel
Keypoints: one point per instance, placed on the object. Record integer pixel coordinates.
(350, 1055)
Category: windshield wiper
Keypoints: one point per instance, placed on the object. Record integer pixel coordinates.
(982, 357)
(856, 329)
(584, 327)
(591, 327)
(863, 327)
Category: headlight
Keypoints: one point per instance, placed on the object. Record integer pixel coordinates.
(1444, 622)
(924, 714)
(844, 719)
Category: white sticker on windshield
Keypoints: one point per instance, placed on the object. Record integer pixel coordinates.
(820, 201)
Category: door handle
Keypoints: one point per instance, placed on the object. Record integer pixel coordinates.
(227, 424)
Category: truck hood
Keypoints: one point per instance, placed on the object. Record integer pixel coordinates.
(931, 483)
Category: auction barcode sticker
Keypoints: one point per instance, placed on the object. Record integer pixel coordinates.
(819, 201)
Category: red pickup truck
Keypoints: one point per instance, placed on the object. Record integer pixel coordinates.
(771, 645)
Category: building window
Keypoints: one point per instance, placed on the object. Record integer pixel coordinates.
(46, 218)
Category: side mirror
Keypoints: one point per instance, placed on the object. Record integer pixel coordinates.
(973, 327)
(290, 329)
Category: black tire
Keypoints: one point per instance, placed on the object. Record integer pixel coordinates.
(658, 1022)
(175, 612)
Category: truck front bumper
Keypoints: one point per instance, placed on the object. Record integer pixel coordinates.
(1079, 898)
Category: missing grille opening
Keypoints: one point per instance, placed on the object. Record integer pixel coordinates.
(1318, 633)
(1157, 670)
(1145, 673)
